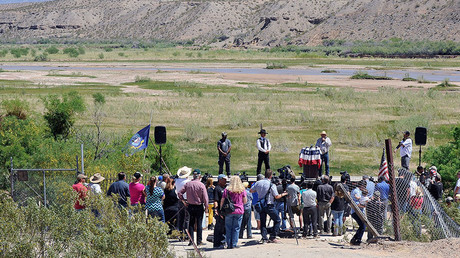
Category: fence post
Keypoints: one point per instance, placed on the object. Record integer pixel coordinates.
(394, 202)
(12, 178)
(44, 187)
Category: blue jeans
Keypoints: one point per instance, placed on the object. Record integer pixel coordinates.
(246, 223)
(279, 206)
(338, 221)
(270, 211)
(232, 229)
(159, 214)
(362, 228)
(325, 163)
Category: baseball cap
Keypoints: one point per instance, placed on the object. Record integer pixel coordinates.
(222, 176)
(81, 176)
(197, 171)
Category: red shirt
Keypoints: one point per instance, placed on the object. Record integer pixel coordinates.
(81, 190)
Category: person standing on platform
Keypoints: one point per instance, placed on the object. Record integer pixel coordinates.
(224, 146)
(264, 147)
(406, 150)
(324, 143)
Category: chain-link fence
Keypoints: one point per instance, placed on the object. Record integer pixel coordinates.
(40, 184)
(420, 216)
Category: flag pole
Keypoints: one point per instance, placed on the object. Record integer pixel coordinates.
(145, 151)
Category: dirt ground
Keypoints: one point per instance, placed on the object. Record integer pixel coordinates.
(126, 72)
(325, 246)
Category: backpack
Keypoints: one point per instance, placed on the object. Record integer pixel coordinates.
(228, 207)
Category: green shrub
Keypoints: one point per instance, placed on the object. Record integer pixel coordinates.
(60, 231)
(3, 53)
(108, 49)
(275, 66)
(18, 52)
(101, 56)
(121, 54)
(446, 158)
(407, 78)
(60, 113)
(328, 71)
(366, 76)
(16, 107)
(52, 50)
(41, 58)
(81, 50)
(71, 51)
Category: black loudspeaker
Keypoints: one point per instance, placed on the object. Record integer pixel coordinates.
(420, 136)
(160, 134)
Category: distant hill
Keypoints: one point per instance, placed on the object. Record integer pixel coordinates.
(231, 22)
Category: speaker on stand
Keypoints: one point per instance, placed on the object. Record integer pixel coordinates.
(420, 139)
(160, 139)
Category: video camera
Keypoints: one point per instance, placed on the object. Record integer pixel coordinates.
(344, 174)
(285, 172)
(205, 177)
(243, 176)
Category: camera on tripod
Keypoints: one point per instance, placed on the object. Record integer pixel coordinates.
(205, 177)
(286, 172)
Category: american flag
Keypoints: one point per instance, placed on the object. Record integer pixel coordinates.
(383, 170)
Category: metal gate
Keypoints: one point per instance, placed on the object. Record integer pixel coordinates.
(40, 184)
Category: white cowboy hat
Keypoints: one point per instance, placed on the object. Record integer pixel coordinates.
(96, 178)
(184, 172)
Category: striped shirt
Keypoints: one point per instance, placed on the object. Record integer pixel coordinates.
(153, 200)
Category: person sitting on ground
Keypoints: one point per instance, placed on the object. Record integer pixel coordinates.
(154, 196)
(121, 188)
(237, 194)
(81, 191)
(310, 214)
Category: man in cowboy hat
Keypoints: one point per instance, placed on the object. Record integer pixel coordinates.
(324, 143)
(182, 178)
(81, 190)
(196, 203)
(264, 147)
(224, 146)
(94, 182)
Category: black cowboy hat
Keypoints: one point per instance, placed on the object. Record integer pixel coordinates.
(263, 131)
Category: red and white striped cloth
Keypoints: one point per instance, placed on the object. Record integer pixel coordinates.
(310, 156)
(383, 170)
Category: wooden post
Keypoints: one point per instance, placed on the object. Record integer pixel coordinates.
(393, 194)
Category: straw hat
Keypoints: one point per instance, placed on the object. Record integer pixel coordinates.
(323, 132)
(184, 172)
(96, 178)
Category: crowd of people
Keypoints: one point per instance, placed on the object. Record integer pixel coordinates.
(321, 207)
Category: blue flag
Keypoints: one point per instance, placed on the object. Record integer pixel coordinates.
(138, 142)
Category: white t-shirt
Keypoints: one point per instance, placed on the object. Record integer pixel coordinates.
(458, 186)
(407, 148)
(95, 188)
(413, 187)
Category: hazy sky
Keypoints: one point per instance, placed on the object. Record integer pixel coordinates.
(20, 1)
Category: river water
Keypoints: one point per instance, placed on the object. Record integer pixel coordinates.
(429, 75)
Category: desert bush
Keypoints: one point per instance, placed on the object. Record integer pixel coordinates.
(60, 113)
(18, 52)
(57, 231)
(52, 50)
(366, 76)
(72, 52)
(108, 49)
(446, 158)
(193, 132)
(41, 58)
(3, 53)
(275, 66)
(81, 50)
(142, 79)
(101, 56)
(16, 107)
